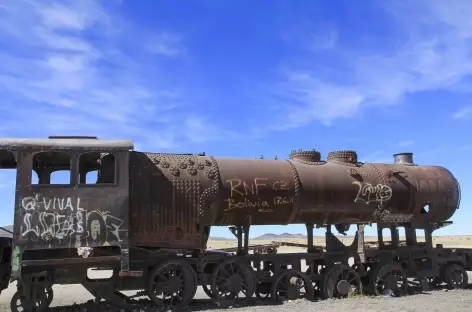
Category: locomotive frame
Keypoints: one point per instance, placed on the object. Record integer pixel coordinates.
(97, 219)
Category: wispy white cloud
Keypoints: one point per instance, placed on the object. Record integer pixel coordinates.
(166, 44)
(463, 112)
(201, 130)
(68, 69)
(436, 54)
(71, 67)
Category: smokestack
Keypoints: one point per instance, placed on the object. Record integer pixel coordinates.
(403, 159)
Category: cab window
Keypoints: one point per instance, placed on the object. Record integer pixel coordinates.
(97, 168)
(52, 168)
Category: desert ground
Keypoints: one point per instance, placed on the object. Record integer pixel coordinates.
(437, 300)
(457, 241)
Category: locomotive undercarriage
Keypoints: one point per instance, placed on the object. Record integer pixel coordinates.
(171, 277)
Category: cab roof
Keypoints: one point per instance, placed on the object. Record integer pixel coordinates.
(65, 143)
(9, 146)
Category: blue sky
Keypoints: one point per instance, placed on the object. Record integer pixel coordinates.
(244, 78)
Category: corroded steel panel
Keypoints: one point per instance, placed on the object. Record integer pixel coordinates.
(302, 189)
(262, 189)
(336, 191)
(164, 198)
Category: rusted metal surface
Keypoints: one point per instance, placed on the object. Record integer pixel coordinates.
(262, 190)
(175, 196)
(165, 198)
(340, 190)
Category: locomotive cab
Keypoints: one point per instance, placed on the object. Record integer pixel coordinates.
(71, 195)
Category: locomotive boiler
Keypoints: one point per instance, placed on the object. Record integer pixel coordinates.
(203, 191)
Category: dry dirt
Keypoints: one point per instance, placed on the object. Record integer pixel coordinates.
(447, 241)
(439, 300)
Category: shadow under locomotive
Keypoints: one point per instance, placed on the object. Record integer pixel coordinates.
(147, 217)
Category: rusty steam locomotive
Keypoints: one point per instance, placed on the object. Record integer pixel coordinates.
(147, 217)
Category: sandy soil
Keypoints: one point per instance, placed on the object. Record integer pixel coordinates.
(434, 301)
(447, 241)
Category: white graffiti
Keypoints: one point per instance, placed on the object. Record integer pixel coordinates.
(63, 219)
(55, 203)
(369, 193)
(48, 225)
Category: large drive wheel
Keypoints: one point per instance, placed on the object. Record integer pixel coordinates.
(172, 283)
(456, 276)
(230, 280)
(292, 285)
(341, 282)
(387, 278)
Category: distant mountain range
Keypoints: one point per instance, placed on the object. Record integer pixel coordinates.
(267, 236)
(222, 238)
(271, 236)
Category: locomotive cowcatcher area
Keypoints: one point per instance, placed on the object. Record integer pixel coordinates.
(85, 204)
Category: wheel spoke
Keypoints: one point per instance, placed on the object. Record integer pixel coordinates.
(231, 282)
(172, 284)
(340, 282)
(282, 285)
(388, 276)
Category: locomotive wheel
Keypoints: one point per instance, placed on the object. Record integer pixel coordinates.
(385, 277)
(230, 278)
(19, 303)
(456, 277)
(341, 281)
(172, 283)
(292, 285)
